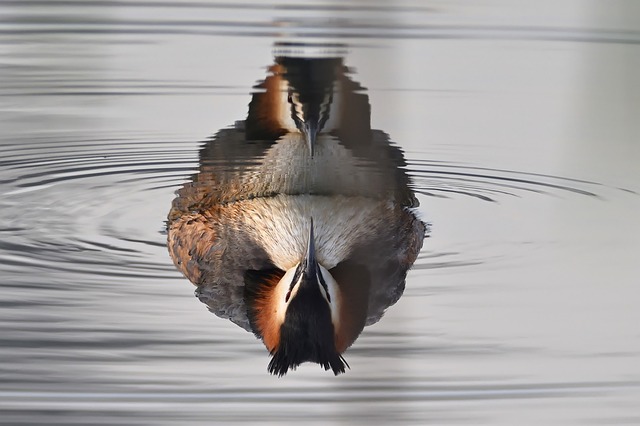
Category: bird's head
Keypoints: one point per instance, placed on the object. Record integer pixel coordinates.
(302, 315)
(302, 95)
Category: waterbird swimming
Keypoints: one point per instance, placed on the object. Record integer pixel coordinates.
(300, 225)
(300, 315)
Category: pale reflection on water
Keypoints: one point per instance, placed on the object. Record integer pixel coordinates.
(518, 123)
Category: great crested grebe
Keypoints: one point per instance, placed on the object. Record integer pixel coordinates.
(299, 225)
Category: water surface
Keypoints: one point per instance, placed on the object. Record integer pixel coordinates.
(519, 126)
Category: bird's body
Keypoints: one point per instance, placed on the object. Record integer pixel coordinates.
(217, 246)
(300, 224)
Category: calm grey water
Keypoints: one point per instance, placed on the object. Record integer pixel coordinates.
(520, 123)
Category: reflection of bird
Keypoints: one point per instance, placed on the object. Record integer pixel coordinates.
(301, 95)
(242, 230)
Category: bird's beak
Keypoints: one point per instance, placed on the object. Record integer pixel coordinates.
(310, 261)
(310, 130)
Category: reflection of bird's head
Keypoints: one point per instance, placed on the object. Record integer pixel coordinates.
(301, 314)
(302, 95)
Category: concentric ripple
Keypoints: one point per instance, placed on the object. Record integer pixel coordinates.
(448, 179)
(89, 207)
(522, 305)
(97, 207)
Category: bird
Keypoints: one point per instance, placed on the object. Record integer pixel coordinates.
(300, 224)
(299, 315)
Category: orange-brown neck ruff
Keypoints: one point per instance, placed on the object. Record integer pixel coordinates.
(265, 109)
(261, 305)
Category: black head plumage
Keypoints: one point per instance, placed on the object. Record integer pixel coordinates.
(307, 334)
